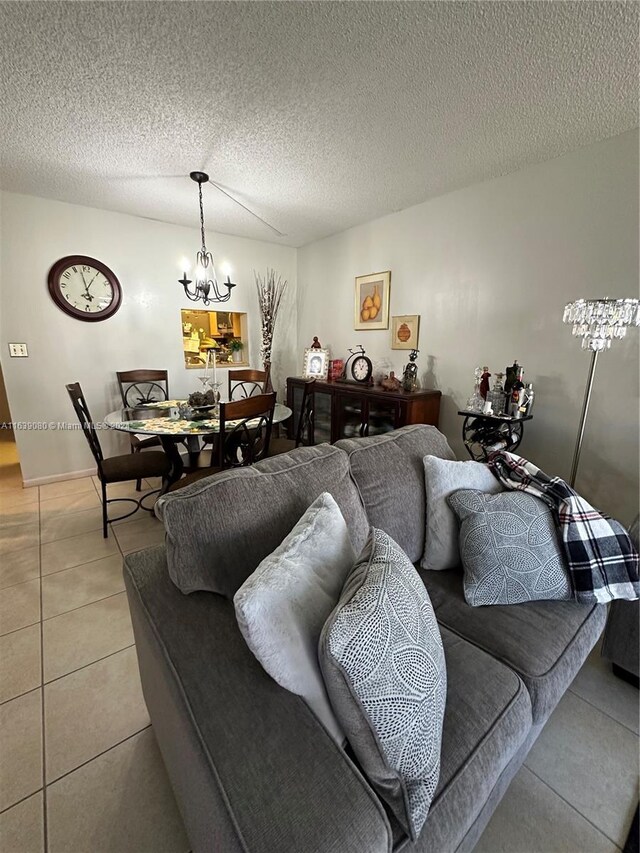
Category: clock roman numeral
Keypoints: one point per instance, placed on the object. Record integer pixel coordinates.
(66, 274)
(75, 270)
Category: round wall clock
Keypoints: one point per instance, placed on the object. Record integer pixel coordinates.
(84, 288)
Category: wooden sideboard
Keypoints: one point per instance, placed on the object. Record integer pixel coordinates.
(352, 410)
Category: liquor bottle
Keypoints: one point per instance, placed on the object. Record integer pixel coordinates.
(512, 375)
(529, 397)
(517, 394)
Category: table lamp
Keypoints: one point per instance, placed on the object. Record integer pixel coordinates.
(597, 322)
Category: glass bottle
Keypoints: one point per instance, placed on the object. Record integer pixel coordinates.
(475, 402)
(497, 396)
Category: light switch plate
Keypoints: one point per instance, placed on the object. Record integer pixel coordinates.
(18, 351)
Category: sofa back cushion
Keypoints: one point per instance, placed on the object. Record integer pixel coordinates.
(389, 472)
(220, 528)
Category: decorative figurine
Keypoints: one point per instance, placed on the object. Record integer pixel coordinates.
(410, 373)
(391, 382)
(316, 343)
(484, 382)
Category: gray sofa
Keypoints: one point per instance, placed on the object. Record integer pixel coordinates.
(251, 767)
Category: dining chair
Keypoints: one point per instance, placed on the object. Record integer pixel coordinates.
(243, 439)
(304, 429)
(248, 382)
(116, 469)
(138, 387)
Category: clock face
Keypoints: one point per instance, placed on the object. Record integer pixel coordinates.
(361, 369)
(84, 288)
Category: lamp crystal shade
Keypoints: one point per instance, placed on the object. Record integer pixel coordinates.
(600, 321)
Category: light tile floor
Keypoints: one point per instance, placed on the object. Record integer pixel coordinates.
(80, 771)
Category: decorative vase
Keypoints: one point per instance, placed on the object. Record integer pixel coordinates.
(236, 356)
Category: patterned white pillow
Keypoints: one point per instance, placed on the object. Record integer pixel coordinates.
(510, 549)
(383, 664)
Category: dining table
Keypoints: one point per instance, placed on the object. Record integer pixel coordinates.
(155, 419)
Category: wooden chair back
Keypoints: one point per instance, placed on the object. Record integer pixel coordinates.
(86, 421)
(245, 430)
(248, 383)
(138, 387)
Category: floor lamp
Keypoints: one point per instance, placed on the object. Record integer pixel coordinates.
(597, 322)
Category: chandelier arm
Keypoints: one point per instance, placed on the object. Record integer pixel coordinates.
(248, 209)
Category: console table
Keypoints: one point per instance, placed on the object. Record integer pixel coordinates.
(352, 410)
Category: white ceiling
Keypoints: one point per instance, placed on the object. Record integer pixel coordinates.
(318, 115)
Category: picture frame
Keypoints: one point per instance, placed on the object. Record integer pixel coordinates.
(315, 364)
(372, 301)
(405, 331)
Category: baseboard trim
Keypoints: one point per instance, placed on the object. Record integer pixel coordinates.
(56, 478)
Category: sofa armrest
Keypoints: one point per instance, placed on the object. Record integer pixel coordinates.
(251, 767)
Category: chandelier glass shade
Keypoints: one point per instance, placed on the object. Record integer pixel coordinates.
(206, 286)
(600, 321)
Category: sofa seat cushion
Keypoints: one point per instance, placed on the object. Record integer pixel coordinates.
(487, 719)
(252, 768)
(220, 528)
(389, 472)
(545, 642)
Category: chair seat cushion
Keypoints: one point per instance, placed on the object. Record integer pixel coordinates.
(281, 445)
(193, 477)
(140, 440)
(545, 642)
(133, 466)
(487, 718)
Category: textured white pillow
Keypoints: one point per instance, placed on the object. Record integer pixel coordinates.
(442, 478)
(282, 607)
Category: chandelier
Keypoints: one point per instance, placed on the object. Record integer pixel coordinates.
(600, 321)
(206, 285)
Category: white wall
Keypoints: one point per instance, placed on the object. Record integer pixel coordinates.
(489, 269)
(146, 331)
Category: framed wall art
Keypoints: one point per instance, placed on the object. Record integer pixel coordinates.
(316, 363)
(405, 330)
(372, 301)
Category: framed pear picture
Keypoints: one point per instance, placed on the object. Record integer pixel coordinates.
(404, 331)
(372, 301)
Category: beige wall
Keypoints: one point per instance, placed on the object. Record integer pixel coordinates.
(489, 269)
(147, 258)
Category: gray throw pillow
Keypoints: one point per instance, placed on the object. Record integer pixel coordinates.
(383, 664)
(510, 549)
(442, 478)
(283, 605)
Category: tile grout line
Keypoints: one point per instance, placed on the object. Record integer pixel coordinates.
(98, 755)
(602, 711)
(21, 800)
(80, 606)
(87, 665)
(20, 695)
(571, 806)
(45, 822)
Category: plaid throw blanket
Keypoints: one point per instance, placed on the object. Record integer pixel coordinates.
(603, 562)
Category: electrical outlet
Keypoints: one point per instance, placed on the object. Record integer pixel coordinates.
(18, 351)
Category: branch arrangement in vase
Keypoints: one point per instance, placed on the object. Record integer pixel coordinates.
(270, 289)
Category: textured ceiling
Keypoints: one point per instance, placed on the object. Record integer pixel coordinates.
(318, 115)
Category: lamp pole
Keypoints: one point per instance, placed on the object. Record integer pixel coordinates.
(583, 418)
